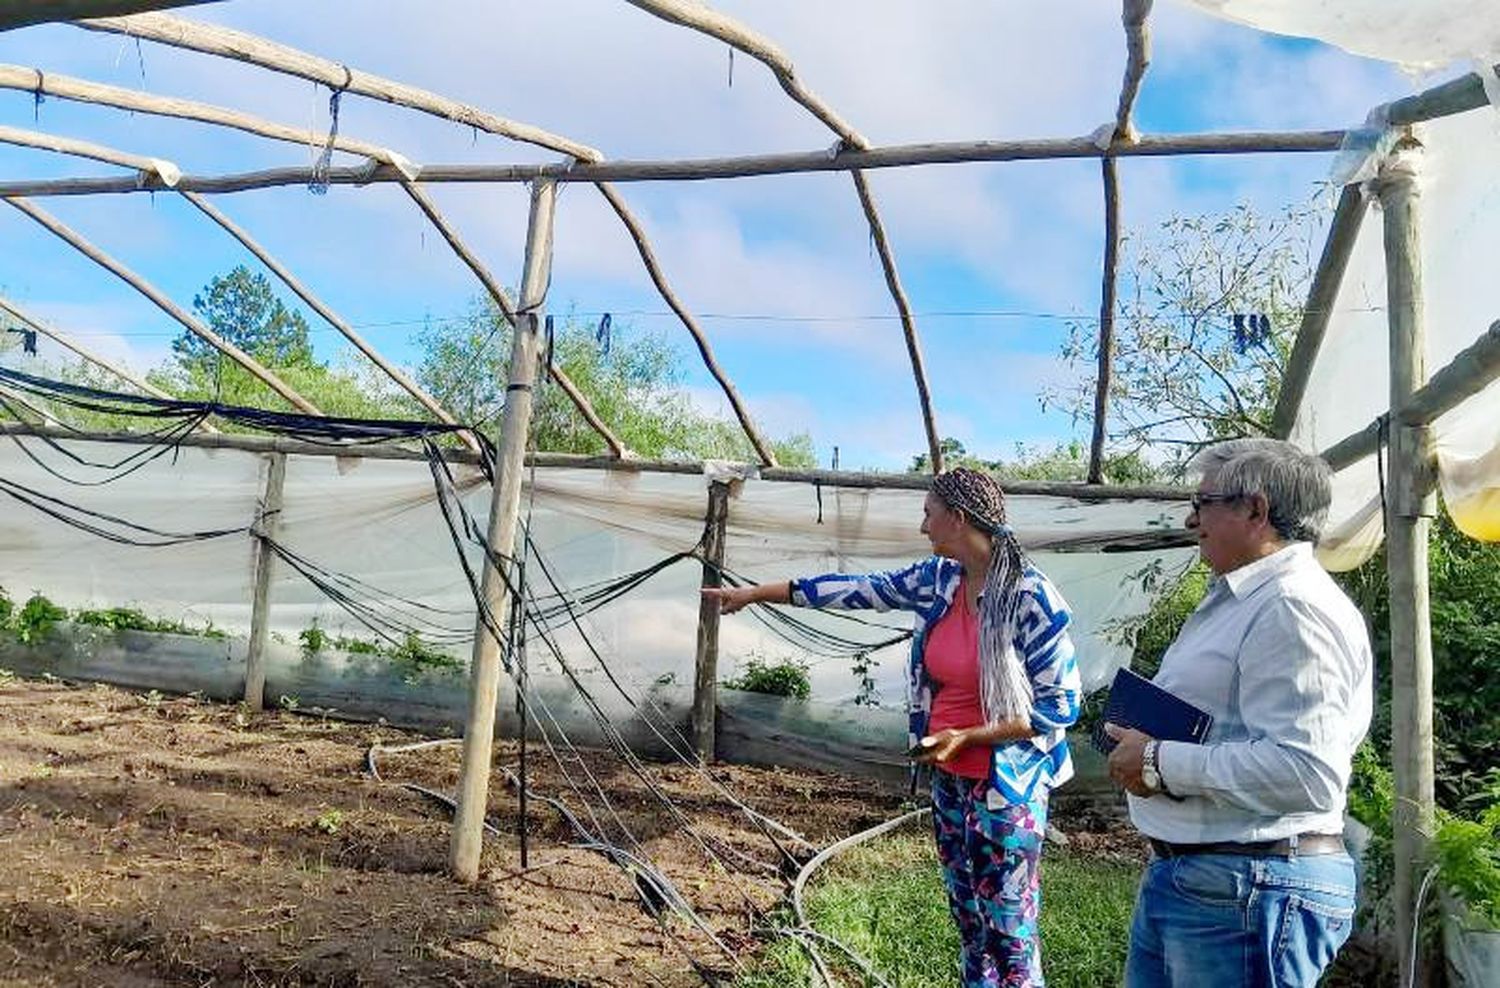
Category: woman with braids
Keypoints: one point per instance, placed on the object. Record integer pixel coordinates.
(993, 686)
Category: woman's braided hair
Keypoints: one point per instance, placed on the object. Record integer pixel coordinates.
(1004, 688)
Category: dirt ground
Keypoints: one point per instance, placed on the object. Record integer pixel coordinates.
(152, 841)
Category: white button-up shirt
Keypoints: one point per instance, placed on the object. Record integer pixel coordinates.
(1281, 658)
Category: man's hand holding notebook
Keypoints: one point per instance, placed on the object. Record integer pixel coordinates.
(1135, 701)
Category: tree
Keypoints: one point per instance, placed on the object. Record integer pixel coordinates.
(1210, 307)
(634, 382)
(242, 308)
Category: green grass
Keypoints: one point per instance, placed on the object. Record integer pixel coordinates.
(885, 900)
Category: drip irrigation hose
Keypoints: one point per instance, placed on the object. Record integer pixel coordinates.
(804, 929)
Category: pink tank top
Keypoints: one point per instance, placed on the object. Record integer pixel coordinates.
(952, 662)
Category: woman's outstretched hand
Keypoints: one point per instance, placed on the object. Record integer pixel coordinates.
(730, 599)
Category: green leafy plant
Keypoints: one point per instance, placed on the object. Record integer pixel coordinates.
(7, 608)
(415, 657)
(1468, 858)
(313, 639)
(787, 677)
(128, 619)
(34, 621)
(329, 821)
(1175, 595)
(1372, 800)
(356, 646)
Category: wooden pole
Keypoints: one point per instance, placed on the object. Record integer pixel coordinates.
(659, 279)
(1409, 509)
(1468, 373)
(171, 308)
(1106, 356)
(485, 666)
(241, 46)
(908, 321)
(706, 659)
(705, 169)
(507, 311)
(1133, 15)
(267, 518)
(1342, 233)
(851, 479)
(82, 91)
(165, 171)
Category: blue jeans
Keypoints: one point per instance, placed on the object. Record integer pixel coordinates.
(1227, 921)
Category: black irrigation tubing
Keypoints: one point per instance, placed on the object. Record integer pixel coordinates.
(607, 728)
(355, 583)
(168, 441)
(611, 734)
(57, 508)
(622, 748)
(682, 752)
(333, 431)
(393, 631)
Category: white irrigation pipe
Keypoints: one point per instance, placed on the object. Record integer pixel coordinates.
(822, 857)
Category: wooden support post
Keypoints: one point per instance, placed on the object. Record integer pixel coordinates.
(485, 667)
(266, 521)
(1106, 369)
(706, 661)
(1348, 217)
(1409, 509)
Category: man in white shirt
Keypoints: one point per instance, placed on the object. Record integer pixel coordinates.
(1249, 882)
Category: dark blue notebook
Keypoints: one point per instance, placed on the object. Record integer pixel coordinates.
(1135, 701)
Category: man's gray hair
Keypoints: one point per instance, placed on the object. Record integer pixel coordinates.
(1297, 485)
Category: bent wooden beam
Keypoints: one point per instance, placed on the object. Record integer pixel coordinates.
(162, 302)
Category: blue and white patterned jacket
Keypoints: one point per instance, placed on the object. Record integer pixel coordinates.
(927, 588)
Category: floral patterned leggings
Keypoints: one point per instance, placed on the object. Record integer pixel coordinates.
(991, 864)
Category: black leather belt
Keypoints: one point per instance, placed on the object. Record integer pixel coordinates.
(1284, 848)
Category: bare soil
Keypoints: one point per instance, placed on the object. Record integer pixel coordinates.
(149, 841)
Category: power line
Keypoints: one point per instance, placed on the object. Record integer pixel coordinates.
(720, 317)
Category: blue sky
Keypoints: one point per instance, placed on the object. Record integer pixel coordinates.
(779, 269)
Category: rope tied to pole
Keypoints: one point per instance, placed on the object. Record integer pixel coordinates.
(318, 184)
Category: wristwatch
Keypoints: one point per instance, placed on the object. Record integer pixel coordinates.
(1149, 775)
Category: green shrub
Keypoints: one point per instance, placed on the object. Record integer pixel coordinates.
(128, 619)
(356, 646)
(33, 622)
(1468, 858)
(1372, 800)
(313, 638)
(1464, 587)
(787, 677)
(415, 657)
